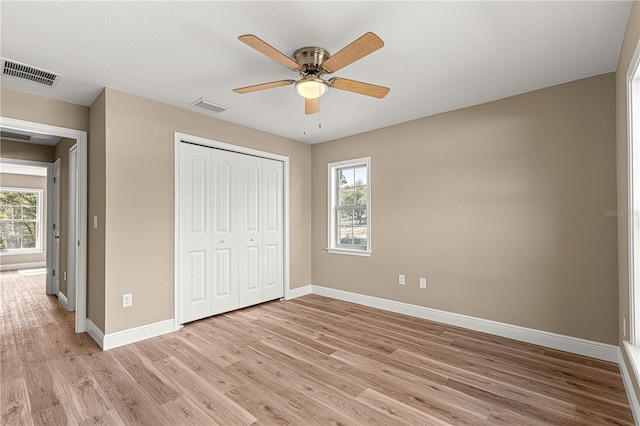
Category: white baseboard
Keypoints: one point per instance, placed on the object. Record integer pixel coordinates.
(628, 385)
(15, 266)
(560, 342)
(297, 292)
(132, 335)
(63, 300)
(95, 333)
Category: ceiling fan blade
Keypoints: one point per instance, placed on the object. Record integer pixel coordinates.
(359, 87)
(268, 50)
(311, 106)
(360, 48)
(263, 86)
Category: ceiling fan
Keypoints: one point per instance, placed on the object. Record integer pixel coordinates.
(312, 63)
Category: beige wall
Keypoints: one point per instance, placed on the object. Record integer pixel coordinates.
(96, 207)
(140, 204)
(27, 181)
(62, 152)
(24, 106)
(631, 39)
(26, 151)
(500, 206)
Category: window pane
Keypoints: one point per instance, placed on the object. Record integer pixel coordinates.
(6, 212)
(29, 213)
(360, 195)
(17, 235)
(346, 178)
(346, 197)
(360, 216)
(346, 235)
(361, 176)
(360, 235)
(345, 217)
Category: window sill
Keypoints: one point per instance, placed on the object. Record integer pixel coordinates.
(364, 253)
(21, 252)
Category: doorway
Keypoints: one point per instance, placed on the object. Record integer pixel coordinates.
(79, 224)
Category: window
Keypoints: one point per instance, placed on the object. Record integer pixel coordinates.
(20, 220)
(632, 346)
(349, 203)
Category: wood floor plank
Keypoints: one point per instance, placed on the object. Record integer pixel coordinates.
(14, 401)
(132, 403)
(318, 390)
(309, 361)
(40, 386)
(80, 388)
(209, 399)
(145, 375)
(265, 408)
(396, 410)
(301, 404)
(503, 389)
(302, 368)
(428, 389)
(55, 415)
(108, 418)
(183, 411)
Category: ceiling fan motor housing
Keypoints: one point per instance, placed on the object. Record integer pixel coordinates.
(310, 60)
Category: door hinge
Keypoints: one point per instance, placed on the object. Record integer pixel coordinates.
(54, 180)
(54, 226)
(54, 273)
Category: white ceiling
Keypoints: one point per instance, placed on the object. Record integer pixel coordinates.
(438, 56)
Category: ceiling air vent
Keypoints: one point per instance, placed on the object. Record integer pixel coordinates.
(29, 73)
(210, 105)
(14, 136)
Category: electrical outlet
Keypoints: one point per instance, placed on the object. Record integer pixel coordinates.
(127, 300)
(401, 279)
(423, 283)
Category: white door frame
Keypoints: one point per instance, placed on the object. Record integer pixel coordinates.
(55, 197)
(178, 138)
(72, 228)
(81, 243)
(633, 104)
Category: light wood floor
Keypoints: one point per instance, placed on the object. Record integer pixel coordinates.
(309, 361)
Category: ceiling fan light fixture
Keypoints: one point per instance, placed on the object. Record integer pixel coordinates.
(311, 88)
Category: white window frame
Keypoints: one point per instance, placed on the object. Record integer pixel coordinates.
(39, 218)
(332, 202)
(632, 345)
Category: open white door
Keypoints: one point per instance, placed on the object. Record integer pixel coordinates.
(55, 228)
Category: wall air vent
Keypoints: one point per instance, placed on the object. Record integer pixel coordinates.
(14, 136)
(26, 72)
(210, 105)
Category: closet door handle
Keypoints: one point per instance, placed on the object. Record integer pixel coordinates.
(221, 241)
(250, 239)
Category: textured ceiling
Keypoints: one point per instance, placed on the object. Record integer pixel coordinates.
(438, 56)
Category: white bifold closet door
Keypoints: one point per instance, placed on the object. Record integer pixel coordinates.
(231, 231)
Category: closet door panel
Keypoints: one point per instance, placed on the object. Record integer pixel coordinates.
(225, 252)
(273, 232)
(249, 213)
(196, 233)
